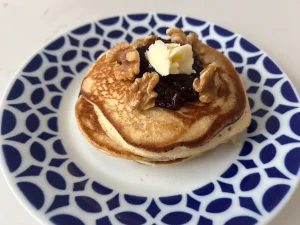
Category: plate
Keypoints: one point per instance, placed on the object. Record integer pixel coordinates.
(60, 178)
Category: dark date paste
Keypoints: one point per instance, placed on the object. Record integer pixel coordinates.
(173, 90)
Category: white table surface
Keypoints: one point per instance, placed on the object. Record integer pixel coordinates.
(25, 25)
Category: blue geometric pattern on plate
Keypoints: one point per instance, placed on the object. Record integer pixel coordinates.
(36, 95)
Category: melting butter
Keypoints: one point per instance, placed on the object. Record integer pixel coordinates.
(170, 58)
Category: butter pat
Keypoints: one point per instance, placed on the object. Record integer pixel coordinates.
(170, 58)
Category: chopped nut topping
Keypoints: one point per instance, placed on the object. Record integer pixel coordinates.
(178, 36)
(208, 83)
(141, 95)
(144, 41)
(126, 59)
(194, 41)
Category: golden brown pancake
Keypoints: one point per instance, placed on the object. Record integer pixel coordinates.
(93, 132)
(164, 134)
(87, 121)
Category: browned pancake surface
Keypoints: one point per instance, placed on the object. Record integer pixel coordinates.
(88, 124)
(158, 129)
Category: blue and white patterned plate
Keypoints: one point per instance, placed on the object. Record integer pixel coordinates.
(60, 178)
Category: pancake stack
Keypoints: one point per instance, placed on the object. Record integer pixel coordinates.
(125, 110)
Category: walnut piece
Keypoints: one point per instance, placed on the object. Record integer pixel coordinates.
(208, 83)
(178, 36)
(144, 41)
(126, 61)
(141, 95)
(194, 41)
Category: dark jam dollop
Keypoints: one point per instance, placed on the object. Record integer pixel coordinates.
(173, 90)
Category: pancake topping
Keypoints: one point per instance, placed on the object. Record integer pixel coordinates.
(176, 64)
(209, 83)
(126, 61)
(178, 36)
(170, 58)
(176, 89)
(144, 41)
(141, 95)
